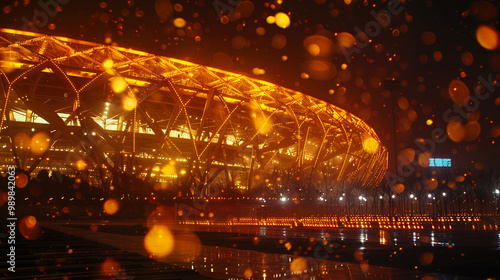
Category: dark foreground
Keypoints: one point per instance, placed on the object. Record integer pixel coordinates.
(56, 255)
(474, 254)
(411, 254)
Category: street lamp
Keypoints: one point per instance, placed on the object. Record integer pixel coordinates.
(497, 194)
(411, 203)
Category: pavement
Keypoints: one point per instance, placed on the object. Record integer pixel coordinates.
(74, 251)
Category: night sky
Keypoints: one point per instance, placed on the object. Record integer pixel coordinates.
(426, 46)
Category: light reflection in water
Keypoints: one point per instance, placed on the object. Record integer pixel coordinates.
(383, 237)
(363, 236)
(391, 236)
(229, 263)
(262, 231)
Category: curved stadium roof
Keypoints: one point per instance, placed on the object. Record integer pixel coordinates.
(120, 108)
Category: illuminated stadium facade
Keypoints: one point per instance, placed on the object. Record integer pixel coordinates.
(74, 105)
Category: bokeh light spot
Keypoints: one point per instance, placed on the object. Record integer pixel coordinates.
(111, 206)
(40, 142)
(282, 20)
(159, 241)
(179, 22)
(370, 145)
(459, 92)
(455, 131)
(487, 37)
(21, 180)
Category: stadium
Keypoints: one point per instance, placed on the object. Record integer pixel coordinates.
(74, 106)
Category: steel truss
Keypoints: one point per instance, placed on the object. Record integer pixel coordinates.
(211, 124)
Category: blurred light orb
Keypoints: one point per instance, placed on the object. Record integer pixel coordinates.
(467, 58)
(29, 228)
(345, 40)
(238, 42)
(495, 131)
(423, 159)
(262, 125)
(169, 169)
(426, 258)
(110, 267)
(459, 179)
(21, 180)
(261, 31)
(483, 10)
(258, 71)
(320, 69)
(403, 103)
(472, 130)
(129, 103)
(40, 143)
(455, 131)
(270, 19)
(245, 8)
(159, 241)
(108, 64)
(282, 20)
(278, 41)
(178, 7)
(428, 38)
(459, 92)
(111, 206)
(248, 273)
(429, 122)
(298, 265)
(487, 37)
(406, 156)
(399, 188)
(224, 20)
(430, 184)
(164, 9)
(118, 84)
(179, 22)
(22, 140)
(31, 222)
(313, 49)
(438, 56)
(318, 45)
(370, 145)
(81, 165)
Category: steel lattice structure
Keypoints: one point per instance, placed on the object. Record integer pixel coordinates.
(125, 110)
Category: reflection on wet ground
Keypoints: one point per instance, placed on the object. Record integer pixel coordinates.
(232, 261)
(383, 236)
(220, 262)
